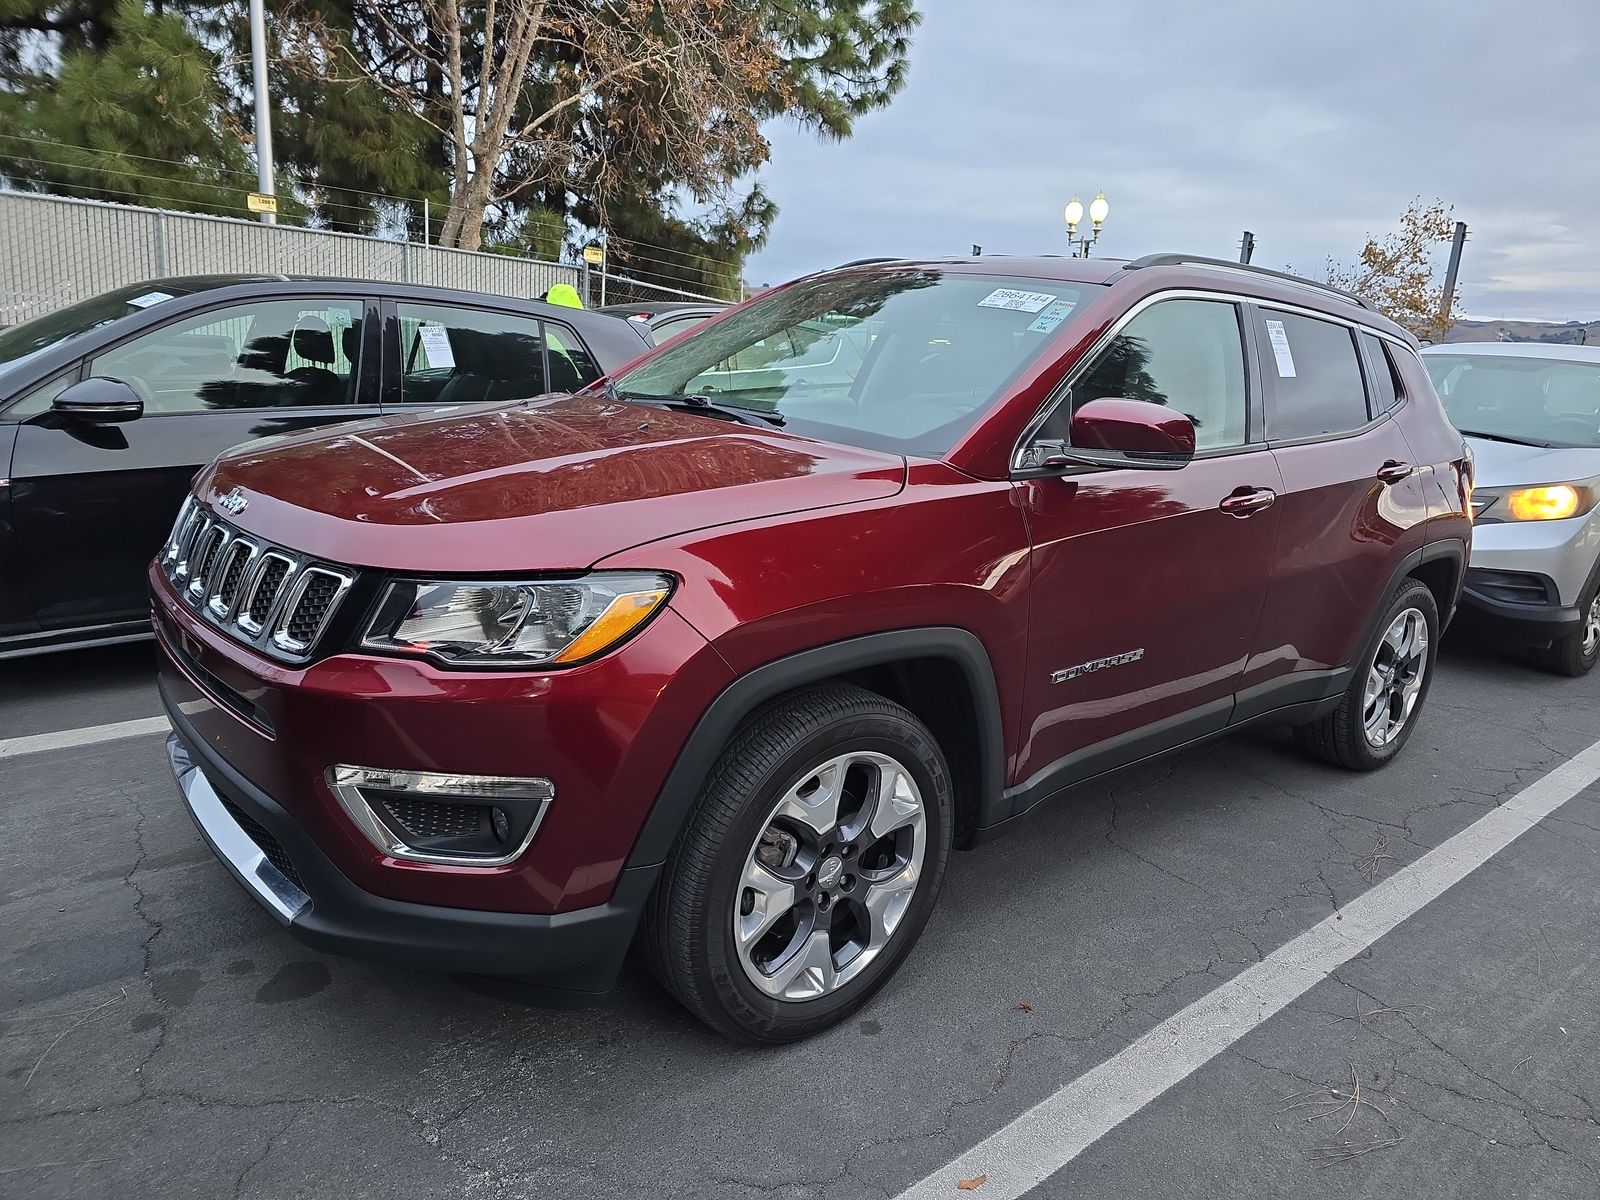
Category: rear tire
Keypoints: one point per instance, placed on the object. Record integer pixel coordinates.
(807, 869)
(1379, 709)
(1577, 652)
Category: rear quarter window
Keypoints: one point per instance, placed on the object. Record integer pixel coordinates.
(1383, 379)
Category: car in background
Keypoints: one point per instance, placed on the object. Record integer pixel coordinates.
(110, 406)
(669, 318)
(1531, 413)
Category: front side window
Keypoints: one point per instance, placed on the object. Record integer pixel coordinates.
(21, 342)
(270, 354)
(897, 358)
(451, 355)
(1186, 354)
(1314, 385)
(1535, 401)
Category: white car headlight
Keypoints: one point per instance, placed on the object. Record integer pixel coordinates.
(491, 623)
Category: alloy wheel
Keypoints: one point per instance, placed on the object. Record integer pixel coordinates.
(1394, 678)
(1591, 628)
(830, 877)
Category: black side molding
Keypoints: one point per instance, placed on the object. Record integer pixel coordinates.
(745, 694)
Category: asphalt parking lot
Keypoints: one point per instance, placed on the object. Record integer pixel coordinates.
(164, 1038)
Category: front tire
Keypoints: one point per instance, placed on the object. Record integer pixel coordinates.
(1577, 652)
(808, 867)
(1379, 709)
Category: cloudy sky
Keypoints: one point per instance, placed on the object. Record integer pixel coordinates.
(1308, 123)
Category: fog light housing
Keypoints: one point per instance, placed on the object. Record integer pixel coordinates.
(449, 819)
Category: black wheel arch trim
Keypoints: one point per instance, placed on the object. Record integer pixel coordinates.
(756, 687)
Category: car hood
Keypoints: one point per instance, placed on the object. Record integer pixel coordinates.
(551, 484)
(1505, 464)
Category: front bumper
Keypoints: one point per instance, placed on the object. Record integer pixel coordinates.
(1526, 578)
(280, 864)
(1516, 606)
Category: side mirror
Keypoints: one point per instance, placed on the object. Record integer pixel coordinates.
(99, 402)
(1117, 432)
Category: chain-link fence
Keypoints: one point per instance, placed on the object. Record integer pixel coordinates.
(55, 251)
(622, 289)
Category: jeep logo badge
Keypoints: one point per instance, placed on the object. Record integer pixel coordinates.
(829, 872)
(234, 502)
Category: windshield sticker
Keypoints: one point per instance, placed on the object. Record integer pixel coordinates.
(149, 298)
(1280, 349)
(1052, 316)
(436, 346)
(1010, 298)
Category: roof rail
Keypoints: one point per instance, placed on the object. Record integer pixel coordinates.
(1173, 260)
(867, 262)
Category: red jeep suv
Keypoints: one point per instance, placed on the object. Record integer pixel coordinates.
(728, 652)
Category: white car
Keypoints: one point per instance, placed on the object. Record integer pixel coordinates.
(1531, 413)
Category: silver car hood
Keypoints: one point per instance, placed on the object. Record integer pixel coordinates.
(1502, 464)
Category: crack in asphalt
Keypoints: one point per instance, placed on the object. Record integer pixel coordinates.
(238, 1184)
(146, 948)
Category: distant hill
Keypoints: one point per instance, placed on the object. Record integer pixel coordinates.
(1572, 333)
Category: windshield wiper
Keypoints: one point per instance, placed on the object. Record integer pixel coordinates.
(705, 405)
(1506, 437)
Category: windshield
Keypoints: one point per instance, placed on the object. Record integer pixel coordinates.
(900, 359)
(1537, 401)
(22, 342)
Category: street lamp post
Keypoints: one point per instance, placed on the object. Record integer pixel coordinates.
(1078, 243)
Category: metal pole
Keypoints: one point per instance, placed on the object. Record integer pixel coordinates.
(1448, 299)
(588, 296)
(258, 56)
(425, 220)
(1247, 247)
(605, 265)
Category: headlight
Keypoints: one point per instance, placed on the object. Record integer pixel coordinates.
(1552, 503)
(515, 624)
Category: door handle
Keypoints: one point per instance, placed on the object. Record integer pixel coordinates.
(1245, 501)
(1394, 471)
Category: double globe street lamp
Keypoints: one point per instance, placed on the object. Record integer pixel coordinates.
(1078, 243)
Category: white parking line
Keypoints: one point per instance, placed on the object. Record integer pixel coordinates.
(64, 739)
(1060, 1127)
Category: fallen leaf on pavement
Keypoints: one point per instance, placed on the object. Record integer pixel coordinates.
(971, 1185)
(1024, 1007)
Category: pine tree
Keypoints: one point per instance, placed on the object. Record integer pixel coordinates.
(133, 114)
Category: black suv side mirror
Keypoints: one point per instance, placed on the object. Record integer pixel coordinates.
(99, 402)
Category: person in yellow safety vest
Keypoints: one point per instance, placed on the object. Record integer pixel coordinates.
(563, 294)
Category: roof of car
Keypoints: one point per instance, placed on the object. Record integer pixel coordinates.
(1173, 270)
(1588, 354)
(1037, 266)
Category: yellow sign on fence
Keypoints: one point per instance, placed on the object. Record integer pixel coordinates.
(594, 254)
(258, 202)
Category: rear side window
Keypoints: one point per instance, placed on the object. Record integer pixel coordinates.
(1382, 379)
(451, 355)
(671, 329)
(1313, 376)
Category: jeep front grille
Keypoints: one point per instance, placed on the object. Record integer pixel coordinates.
(266, 596)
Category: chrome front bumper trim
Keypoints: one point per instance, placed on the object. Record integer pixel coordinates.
(231, 843)
(346, 782)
